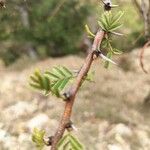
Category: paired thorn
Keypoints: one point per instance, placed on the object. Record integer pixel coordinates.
(67, 96)
(100, 54)
(108, 5)
(107, 59)
(70, 126)
(49, 141)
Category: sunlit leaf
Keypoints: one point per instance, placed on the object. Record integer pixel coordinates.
(110, 22)
(53, 81)
(69, 142)
(38, 138)
(88, 31)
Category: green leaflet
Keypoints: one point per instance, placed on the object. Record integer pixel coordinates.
(69, 142)
(38, 138)
(39, 81)
(59, 77)
(89, 31)
(109, 22)
(53, 81)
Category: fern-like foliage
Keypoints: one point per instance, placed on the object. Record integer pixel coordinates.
(53, 81)
(38, 138)
(110, 22)
(59, 77)
(40, 81)
(69, 142)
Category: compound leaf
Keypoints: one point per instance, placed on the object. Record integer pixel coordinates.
(69, 142)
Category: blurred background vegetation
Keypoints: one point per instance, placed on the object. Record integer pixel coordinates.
(37, 30)
(112, 113)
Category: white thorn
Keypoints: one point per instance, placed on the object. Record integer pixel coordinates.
(74, 128)
(107, 59)
(116, 33)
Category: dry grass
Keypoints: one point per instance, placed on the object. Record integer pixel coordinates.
(117, 96)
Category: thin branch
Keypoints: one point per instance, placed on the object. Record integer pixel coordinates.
(145, 16)
(149, 6)
(135, 2)
(141, 56)
(71, 95)
(149, 13)
(56, 10)
(74, 89)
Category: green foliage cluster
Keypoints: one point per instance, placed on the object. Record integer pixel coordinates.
(49, 32)
(108, 22)
(133, 28)
(55, 81)
(69, 142)
(38, 138)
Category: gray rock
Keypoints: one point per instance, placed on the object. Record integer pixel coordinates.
(3, 134)
(19, 109)
(38, 121)
(121, 129)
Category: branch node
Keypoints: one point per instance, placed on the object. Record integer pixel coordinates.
(96, 54)
(69, 126)
(67, 96)
(49, 140)
(108, 5)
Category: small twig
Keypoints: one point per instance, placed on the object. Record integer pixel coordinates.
(138, 6)
(141, 56)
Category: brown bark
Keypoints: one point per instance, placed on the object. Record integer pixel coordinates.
(74, 89)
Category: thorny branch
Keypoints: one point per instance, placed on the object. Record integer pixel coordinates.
(71, 95)
(74, 89)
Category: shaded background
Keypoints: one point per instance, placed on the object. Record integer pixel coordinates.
(110, 114)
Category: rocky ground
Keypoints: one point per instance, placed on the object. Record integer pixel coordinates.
(111, 114)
